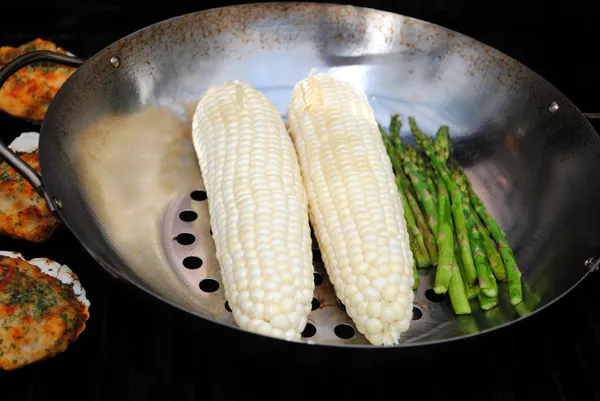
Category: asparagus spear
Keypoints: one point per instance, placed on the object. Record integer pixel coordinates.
(458, 296)
(460, 291)
(513, 273)
(491, 252)
(485, 302)
(420, 185)
(439, 162)
(441, 145)
(428, 235)
(428, 238)
(418, 247)
(445, 241)
(395, 127)
(469, 289)
(487, 281)
(429, 176)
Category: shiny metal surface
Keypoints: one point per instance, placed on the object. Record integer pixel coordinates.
(116, 148)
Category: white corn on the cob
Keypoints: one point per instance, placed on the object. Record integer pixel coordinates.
(354, 205)
(258, 209)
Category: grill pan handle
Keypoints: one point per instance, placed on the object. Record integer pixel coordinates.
(5, 153)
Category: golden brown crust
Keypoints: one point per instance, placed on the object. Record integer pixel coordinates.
(39, 315)
(23, 212)
(28, 92)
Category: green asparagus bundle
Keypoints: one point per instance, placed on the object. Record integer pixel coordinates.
(448, 224)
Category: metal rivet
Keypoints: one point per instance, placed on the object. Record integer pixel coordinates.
(553, 108)
(590, 263)
(115, 61)
(57, 202)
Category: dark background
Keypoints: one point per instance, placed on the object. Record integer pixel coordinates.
(136, 349)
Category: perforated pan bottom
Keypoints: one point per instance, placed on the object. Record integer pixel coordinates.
(190, 249)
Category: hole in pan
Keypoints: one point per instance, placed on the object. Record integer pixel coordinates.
(315, 304)
(344, 331)
(192, 262)
(188, 216)
(209, 285)
(198, 195)
(185, 239)
(309, 331)
(318, 278)
(417, 313)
